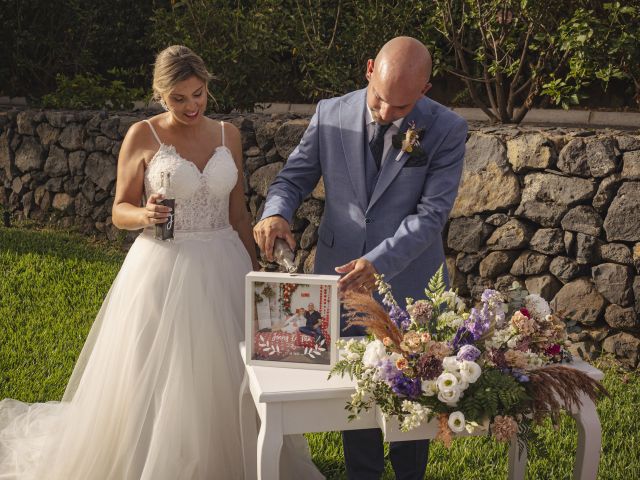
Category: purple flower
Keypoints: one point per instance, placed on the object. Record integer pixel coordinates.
(462, 337)
(429, 367)
(468, 352)
(492, 306)
(519, 375)
(406, 387)
(400, 317)
(489, 296)
(478, 322)
(387, 371)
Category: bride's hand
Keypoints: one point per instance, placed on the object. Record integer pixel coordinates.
(153, 213)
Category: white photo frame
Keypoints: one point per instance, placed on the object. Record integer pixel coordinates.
(274, 317)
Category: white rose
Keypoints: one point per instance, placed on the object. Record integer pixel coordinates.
(447, 382)
(429, 388)
(462, 385)
(450, 397)
(374, 352)
(456, 422)
(469, 371)
(450, 364)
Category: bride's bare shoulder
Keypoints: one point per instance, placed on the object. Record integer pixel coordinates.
(140, 143)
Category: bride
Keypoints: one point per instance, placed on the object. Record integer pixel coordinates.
(154, 393)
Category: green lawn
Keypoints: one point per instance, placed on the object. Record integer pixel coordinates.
(52, 284)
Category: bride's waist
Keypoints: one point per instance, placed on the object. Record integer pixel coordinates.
(199, 234)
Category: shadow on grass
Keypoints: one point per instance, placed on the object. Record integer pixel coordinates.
(64, 245)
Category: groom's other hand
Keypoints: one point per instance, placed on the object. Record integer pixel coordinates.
(360, 276)
(267, 230)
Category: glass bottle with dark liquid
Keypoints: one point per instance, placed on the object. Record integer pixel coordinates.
(164, 231)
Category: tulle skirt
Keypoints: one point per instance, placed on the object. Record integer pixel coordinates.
(154, 394)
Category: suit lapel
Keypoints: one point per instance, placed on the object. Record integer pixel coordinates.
(352, 134)
(422, 116)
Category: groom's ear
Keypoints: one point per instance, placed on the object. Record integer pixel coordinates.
(426, 88)
(369, 72)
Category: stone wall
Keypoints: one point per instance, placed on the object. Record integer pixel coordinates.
(557, 209)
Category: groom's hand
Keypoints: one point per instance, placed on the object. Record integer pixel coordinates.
(360, 276)
(266, 231)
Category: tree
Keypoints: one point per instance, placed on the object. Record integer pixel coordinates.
(516, 54)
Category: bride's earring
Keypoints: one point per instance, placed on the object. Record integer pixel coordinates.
(163, 104)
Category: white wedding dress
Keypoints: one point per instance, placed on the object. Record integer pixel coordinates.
(154, 394)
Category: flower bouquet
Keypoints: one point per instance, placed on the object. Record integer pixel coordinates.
(498, 367)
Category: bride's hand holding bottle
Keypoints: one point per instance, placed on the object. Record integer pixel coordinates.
(154, 214)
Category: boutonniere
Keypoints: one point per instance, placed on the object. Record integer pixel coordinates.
(409, 140)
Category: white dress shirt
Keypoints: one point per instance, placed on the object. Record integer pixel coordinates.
(393, 129)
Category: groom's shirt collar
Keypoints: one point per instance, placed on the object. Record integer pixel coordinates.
(393, 129)
(370, 121)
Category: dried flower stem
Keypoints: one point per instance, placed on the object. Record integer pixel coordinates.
(556, 388)
(376, 319)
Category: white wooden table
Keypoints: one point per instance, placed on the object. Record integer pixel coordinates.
(295, 401)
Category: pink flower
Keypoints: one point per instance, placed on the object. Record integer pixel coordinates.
(402, 363)
(525, 312)
(525, 325)
(553, 350)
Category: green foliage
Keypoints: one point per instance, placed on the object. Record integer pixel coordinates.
(514, 55)
(333, 40)
(492, 393)
(616, 50)
(245, 45)
(436, 286)
(91, 91)
(40, 40)
(50, 291)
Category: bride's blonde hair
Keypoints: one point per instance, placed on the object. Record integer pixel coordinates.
(175, 64)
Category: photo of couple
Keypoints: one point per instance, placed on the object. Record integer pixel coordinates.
(285, 331)
(307, 321)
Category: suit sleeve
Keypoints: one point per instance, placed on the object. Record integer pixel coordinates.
(298, 177)
(418, 231)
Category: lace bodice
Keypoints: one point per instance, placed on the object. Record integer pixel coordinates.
(202, 198)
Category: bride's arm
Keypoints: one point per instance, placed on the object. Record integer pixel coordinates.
(127, 214)
(238, 214)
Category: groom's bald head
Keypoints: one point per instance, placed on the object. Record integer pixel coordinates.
(398, 78)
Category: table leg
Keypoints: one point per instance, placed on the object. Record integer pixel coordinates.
(517, 460)
(270, 442)
(589, 440)
(248, 430)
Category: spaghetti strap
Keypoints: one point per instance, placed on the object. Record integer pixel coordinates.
(153, 130)
(222, 130)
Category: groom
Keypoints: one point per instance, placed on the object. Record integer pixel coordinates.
(386, 204)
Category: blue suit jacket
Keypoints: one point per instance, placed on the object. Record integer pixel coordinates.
(400, 228)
